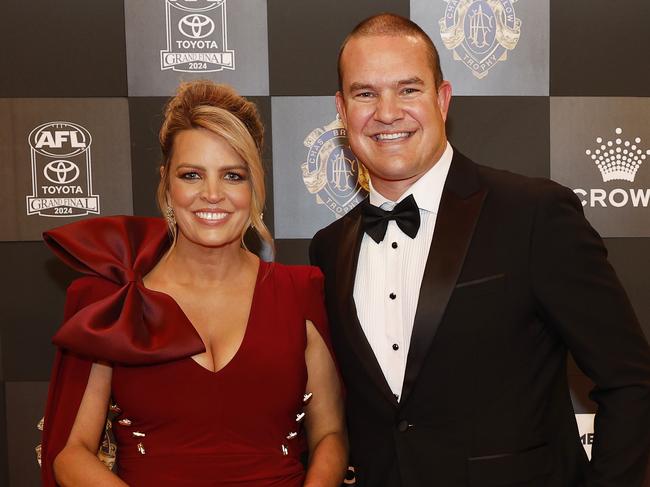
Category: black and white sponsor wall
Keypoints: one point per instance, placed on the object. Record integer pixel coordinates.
(550, 88)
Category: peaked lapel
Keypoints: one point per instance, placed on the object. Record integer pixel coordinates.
(460, 206)
(346, 270)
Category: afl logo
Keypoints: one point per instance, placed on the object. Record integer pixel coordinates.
(196, 26)
(59, 139)
(61, 172)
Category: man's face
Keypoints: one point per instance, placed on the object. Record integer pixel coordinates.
(394, 116)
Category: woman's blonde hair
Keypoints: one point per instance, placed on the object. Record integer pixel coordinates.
(219, 109)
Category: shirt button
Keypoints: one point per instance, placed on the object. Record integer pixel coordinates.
(392, 295)
(402, 426)
(394, 245)
(395, 346)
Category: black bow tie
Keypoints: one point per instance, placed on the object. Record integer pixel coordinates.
(406, 214)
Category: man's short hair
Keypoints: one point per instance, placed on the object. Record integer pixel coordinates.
(387, 24)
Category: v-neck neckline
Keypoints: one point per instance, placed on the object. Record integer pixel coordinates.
(260, 271)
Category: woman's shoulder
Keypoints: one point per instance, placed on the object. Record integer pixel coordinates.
(300, 274)
(113, 247)
(109, 314)
(305, 282)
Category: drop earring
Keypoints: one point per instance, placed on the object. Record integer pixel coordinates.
(169, 216)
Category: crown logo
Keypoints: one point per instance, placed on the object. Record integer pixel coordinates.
(618, 159)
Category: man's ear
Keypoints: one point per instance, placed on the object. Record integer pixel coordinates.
(340, 107)
(444, 98)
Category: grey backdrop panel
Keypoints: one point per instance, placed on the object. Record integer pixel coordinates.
(64, 57)
(600, 148)
(30, 180)
(147, 33)
(302, 125)
(480, 63)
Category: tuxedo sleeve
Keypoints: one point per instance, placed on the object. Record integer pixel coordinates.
(579, 293)
(314, 254)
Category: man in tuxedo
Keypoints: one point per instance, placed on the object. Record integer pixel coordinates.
(454, 293)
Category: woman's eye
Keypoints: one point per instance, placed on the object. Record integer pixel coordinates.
(191, 175)
(234, 176)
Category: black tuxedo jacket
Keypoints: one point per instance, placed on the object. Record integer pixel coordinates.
(515, 277)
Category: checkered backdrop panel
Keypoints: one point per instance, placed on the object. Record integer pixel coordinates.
(546, 88)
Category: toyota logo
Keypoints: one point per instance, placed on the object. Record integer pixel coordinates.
(196, 26)
(61, 172)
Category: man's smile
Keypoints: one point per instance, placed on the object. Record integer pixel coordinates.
(390, 136)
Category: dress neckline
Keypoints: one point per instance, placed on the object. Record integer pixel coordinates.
(261, 272)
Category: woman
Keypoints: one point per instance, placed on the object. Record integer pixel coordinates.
(212, 359)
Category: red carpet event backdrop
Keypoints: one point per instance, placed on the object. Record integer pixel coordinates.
(549, 88)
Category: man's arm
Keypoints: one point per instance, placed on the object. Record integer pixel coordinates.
(313, 250)
(580, 294)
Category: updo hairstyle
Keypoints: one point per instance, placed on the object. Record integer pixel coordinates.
(219, 109)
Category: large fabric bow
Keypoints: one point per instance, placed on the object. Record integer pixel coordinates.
(123, 322)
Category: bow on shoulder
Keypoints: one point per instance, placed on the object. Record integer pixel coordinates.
(114, 317)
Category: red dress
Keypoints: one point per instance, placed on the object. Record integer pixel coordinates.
(181, 424)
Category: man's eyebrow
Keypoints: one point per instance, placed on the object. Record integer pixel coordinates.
(356, 86)
(414, 80)
(410, 81)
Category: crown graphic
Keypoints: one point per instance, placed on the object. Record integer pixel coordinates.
(618, 159)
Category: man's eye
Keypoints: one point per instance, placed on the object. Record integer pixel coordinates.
(409, 91)
(365, 94)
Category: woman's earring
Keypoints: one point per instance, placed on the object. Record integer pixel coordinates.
(169, 216)
(252, 225)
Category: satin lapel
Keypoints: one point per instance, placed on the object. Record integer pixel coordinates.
(346, 269)
(455, 223)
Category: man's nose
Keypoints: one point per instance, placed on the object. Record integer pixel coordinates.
(388, 109)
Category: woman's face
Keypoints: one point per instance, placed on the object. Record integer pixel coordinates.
(209, 189)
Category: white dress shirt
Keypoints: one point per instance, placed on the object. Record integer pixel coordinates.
(389, 275)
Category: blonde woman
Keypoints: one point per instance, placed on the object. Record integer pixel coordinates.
(215, 364)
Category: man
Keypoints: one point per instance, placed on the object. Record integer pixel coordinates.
(452, 314)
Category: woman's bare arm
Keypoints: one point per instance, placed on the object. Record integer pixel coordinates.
(77, 464)
(324, 418)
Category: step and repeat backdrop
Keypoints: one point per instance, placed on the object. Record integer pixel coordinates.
(549, 88)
